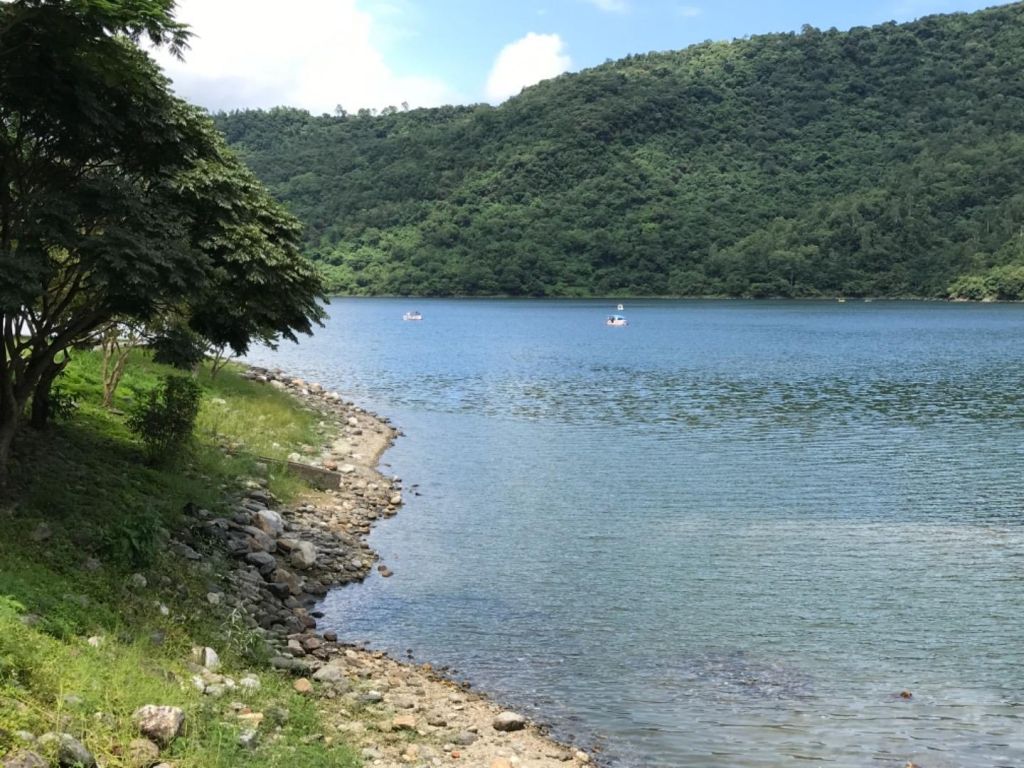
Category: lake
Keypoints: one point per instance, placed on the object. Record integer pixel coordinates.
(729, 534)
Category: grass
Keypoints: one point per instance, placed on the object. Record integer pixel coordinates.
(85, 513)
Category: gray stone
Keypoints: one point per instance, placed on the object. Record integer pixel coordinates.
(284, 576)
(304, 555)
(71, 753)
(258, 541)
(23, 758)
(289, 664)
(509, 721)
(42, 532)
(136, 582)
(206, 657)
(261, 560)
(465, 738)
(403, 702)
(248, 739)
(160, 724)
(332, 672)
(270, 522)
(142, 753)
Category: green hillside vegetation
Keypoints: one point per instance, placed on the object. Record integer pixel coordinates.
(879, 161)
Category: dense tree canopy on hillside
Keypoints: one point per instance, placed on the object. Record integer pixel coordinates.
(884, 161)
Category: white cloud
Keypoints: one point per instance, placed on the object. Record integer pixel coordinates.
(611, 6)
(312, 54)
(688, 11)
(526, 61)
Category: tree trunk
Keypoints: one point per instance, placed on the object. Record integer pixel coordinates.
(41, 410)
(8, 427)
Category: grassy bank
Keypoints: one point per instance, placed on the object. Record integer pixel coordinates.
(98, 616)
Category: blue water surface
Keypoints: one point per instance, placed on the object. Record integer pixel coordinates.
(729, 534)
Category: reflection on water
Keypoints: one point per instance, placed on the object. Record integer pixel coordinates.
(727, 535)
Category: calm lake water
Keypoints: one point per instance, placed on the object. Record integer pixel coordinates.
(727, 535)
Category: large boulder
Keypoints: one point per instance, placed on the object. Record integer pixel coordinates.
(160, 724)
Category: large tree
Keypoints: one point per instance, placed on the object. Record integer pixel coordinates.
(119, 201)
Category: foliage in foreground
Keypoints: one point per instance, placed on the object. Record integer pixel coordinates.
(121, 205)
(108, 515)
(877, 161)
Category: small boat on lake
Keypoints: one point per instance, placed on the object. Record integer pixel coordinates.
(617, 321)
(414, 315)
(620, 307)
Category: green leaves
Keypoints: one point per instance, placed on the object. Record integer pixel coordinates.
(878, 160)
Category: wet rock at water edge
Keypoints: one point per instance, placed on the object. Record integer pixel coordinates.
(509, 721)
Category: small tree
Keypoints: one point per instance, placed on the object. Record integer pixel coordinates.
(117, 342)
(165, 420)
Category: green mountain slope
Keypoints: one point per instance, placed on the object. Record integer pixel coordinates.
(886, 161)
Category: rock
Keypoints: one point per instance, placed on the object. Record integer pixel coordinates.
(330, 637)
(371, 697)
(23, 758)
(258, 541)
(71, 753)
(294, 458)
(437, 721)
(262, 560)
(249, 683)
(404, 723)
(509, 721)
(304, 555)
(500, 762)
(213, 598)
(142, 753)
(206, 657)
(270, 522)
(136, 582)
(160, 724)
(289, 579)
(582, 756)
(42, 532)
(333, 672)
(465, 738)
(396, 499)
(346, 469)
(303, 687)
(248, 739)
(297, 666)
(403, 702)
(384, 571)
(95, 641)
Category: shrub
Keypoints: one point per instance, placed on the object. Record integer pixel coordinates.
(165, 420)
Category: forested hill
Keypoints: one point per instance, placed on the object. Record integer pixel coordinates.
(882, 161)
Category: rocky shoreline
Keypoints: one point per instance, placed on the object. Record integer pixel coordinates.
(283, 561)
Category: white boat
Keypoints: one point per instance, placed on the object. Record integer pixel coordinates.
(616, 320)
(414, 315)
(620, 307)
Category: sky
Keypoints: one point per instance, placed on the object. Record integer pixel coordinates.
(321, 54)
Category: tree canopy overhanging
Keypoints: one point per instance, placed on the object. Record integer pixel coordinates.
(120, 202)
(880, 161)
